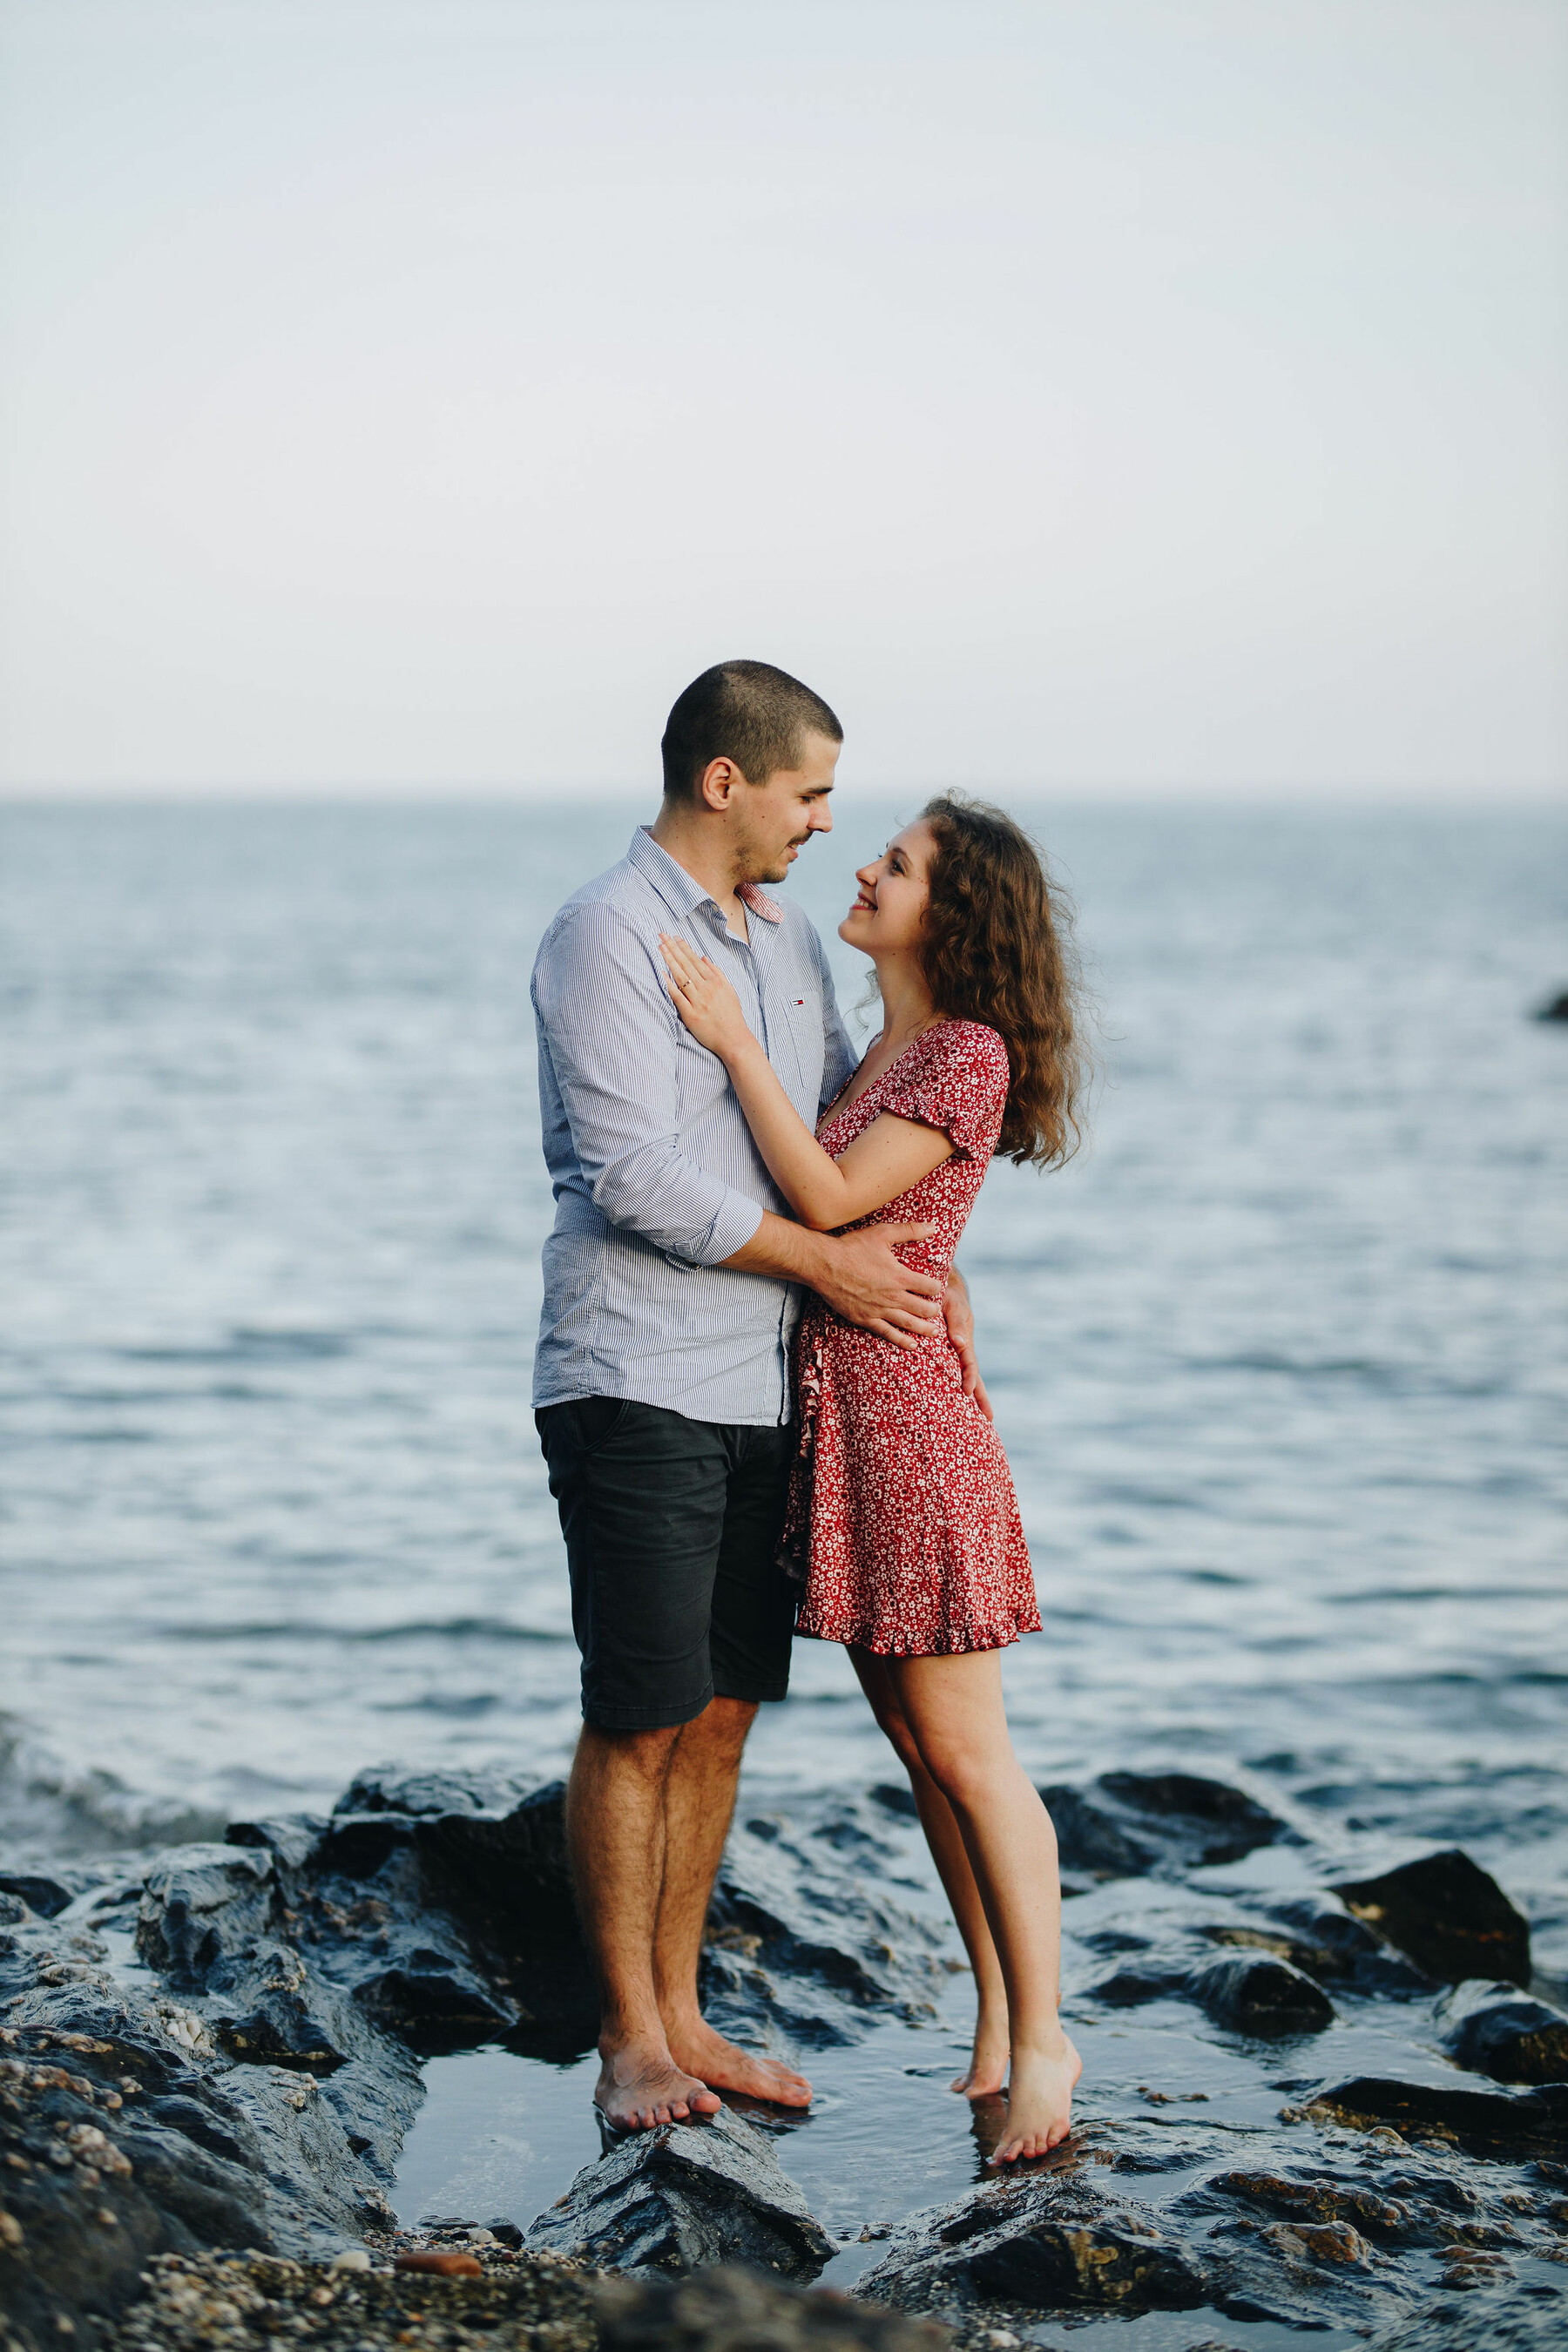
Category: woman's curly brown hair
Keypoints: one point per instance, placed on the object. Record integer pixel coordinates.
(997, 947)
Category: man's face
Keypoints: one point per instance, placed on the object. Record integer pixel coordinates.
(772, 821)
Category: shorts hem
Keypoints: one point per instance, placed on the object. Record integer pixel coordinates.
(645, 1719)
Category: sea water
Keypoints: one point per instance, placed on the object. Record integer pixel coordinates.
(1280, 1360)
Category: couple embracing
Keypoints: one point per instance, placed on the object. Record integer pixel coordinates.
(733, 1466)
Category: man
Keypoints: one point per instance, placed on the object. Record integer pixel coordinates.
(662, 1383)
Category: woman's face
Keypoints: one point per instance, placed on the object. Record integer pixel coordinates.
(887, 915)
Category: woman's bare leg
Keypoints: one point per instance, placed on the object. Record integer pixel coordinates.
(953, 1710)
(987, 2069)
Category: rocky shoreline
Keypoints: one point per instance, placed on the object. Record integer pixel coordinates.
(209, 2061)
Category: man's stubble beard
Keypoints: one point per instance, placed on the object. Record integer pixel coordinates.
(777, 868)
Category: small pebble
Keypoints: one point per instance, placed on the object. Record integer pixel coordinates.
(352, 2258)
(442, 2265)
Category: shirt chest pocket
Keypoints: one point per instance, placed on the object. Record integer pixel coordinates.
(802, 1010)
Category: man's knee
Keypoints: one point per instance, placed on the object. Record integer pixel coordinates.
(719, 1731)
(730, 1717)
(638, 1755)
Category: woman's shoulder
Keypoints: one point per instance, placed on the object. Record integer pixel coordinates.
(972, 1047)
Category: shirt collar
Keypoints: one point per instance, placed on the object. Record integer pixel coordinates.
(681, 891)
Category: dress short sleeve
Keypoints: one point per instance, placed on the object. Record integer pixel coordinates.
(956, 1078)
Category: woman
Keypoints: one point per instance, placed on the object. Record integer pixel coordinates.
(902, 1516)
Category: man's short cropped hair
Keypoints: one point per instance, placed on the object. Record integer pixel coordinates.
(746, 711)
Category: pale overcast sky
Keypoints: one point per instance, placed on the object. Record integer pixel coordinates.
(1081, 393)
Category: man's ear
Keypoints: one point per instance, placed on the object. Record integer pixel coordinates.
(718, 785)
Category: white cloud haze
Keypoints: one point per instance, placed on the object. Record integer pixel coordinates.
(1081, 394)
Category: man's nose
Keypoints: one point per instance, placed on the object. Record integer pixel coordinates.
(821, 819)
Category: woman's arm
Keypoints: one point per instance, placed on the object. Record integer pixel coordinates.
(885, 1161)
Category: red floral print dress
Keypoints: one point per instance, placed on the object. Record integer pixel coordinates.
(902, 1517)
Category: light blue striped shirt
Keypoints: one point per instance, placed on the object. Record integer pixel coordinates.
(656, 1177)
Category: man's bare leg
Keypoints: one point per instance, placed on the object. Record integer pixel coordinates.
(699, 1801)
(617, 1837)
(987, 2068)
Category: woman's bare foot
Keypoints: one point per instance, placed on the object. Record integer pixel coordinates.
(987, 2068)
(727, 2067)
(640, 2086)
(1039, 2102)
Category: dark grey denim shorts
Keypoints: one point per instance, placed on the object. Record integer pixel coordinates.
(672, 1529)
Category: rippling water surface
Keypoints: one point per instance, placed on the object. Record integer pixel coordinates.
(1280, 1362)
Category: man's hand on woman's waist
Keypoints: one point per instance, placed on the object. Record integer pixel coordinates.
(857, 1274)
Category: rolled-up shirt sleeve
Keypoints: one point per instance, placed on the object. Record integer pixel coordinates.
(607, 1024)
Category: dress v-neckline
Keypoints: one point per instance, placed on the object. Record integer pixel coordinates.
(838, 1106)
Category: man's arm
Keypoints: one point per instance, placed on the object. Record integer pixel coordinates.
(609, 1029)
(857, 1275)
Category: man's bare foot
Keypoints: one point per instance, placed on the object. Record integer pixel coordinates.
(640, 2086)
(1039, 2102)
(728, 2067)
(987, 2068)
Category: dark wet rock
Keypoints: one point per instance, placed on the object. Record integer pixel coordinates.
(433, 1999)
(1315, 2199)
(1492, 2029)
(685, 2195)
(1306, 2244)
(799, 1943)
(417, 1901)
(1071, 2240)
(46, 1896)
(128, 2142)
(1512, 2126)
(201, 1903)
(1091, 1842)
(445, 1906)
(1129, 1824)
(1139, 1980)
(1555, 1008)
(291, 1838)
(1448, 1916)
(896, 1798)
(728, 2306)
(1197, 1821)
(284, 2020)
(1253, 1993)
(206, 2140)
(1334, 1943)
(1056, 2264)
(303, 1965)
